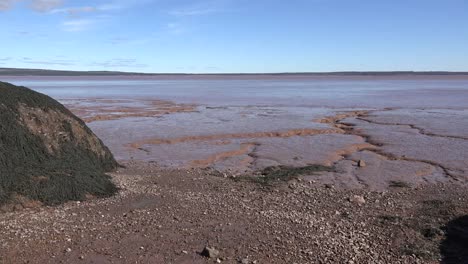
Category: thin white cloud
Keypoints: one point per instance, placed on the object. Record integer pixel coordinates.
(119, 63)
(175, 28)
(78, 25)
(121, 40)
(192, 12)
(200, 8)
(110, 7)
(74, 11)
(36, 5)
(212, 68)
(6, 4)
(48, 62)
(122, 4)
(52, 6)
(45, 5)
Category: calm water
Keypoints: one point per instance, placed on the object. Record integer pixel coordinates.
(334, 92)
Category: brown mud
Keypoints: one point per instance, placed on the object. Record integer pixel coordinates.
(273, 134)
(105, 109)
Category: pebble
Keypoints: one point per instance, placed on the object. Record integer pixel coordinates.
(361, 163)
(357, 199)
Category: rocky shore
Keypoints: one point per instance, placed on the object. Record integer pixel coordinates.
(203, 216)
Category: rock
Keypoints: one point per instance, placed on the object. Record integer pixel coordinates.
(48, 152)
(357, 199)
(210, 252)
(361, 163)
(68, 250)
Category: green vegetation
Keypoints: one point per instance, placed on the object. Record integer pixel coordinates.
(399, 184)
(277, 174)
(390, 219)
(28, 169)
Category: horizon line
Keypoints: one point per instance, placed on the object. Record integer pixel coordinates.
(4, 71)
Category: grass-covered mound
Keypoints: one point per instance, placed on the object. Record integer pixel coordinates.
(47, 154)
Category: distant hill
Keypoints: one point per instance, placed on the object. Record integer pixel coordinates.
(41, 72)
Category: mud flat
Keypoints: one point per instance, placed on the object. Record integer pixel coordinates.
(406, 130)
(287, 171)
(397, 146)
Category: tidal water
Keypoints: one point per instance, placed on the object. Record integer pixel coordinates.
(246, 123)
(333, 92)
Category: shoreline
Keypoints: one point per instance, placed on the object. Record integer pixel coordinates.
(249, 76)
(233, 77)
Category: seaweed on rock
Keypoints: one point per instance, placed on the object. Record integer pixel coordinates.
(47, 154)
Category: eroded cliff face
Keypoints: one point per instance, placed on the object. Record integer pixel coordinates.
(47, 154)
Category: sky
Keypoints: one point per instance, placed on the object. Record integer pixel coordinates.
(234, 36)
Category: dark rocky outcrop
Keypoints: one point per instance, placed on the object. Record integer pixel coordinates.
(47, 154)
(454, 248)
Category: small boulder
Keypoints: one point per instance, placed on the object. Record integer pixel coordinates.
(210, 252)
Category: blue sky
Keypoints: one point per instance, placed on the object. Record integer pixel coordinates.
(235, 35)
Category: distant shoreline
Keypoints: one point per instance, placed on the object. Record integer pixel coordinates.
(15, 72)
